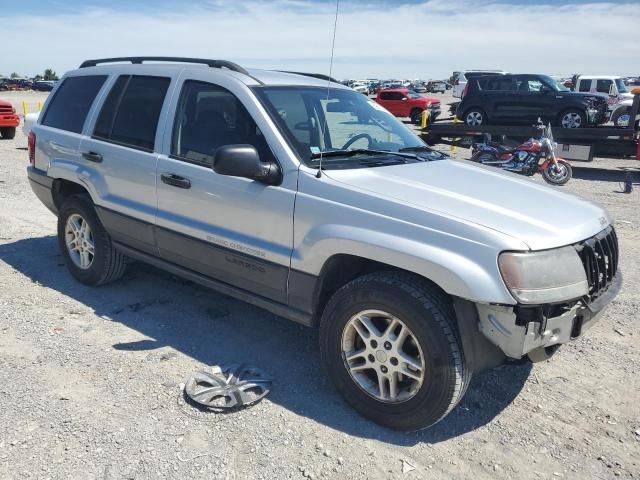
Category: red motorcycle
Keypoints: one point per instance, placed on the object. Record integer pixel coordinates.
(535, 155)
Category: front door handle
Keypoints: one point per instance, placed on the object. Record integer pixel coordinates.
(175, 180)
(92, 157)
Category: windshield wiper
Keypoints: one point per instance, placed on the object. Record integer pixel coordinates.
(423, 148)
(359, 151)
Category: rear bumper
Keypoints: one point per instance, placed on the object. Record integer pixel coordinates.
(9, 120)
(42, 186)
(499, 324)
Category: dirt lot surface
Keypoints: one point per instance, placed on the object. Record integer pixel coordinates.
(90, 384)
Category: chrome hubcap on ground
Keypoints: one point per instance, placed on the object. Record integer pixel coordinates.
(571, 120)
(79, 240)
(474, 118)
(383, 356)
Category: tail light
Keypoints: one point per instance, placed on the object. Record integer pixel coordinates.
(466, 89)
(32, 148)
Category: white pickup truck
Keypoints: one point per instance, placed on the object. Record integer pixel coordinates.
(620, 99)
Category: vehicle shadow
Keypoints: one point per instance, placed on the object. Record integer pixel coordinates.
(215, 329)
(617, 175)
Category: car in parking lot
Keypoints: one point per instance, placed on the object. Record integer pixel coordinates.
(310, 200)
(522, 99)
(9, 120)
(403, 102)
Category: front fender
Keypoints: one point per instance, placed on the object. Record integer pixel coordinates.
(476, 279)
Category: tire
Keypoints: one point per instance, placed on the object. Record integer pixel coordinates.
(106, 264)
(561, 177)
(621, 117)
(572, 118)
(430, 320)
(474, 117)
(8, 133)
(416, 116)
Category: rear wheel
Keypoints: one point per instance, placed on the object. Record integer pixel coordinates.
(558, 174)
(475, 117)
(573, 119)
(389, 343)
(86, 247)
(8, 132)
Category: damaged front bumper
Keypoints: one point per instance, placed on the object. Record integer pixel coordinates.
(518, 330)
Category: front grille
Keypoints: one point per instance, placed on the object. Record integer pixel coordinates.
(4, 109)
(599, 255)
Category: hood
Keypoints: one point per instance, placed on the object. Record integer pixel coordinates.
(598, 97)
(542, 217)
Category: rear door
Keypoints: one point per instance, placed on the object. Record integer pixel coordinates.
(496, 97)
(232, 229)
(122, 148)
(62, 123)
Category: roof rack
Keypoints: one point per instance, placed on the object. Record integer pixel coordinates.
(319, 76)
(138, 60)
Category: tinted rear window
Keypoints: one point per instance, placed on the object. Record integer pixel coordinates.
(72, 101)
(131, 112)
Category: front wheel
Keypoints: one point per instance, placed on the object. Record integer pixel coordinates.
(573, 119)
(416, 116)
(390, 346)
(558, 174)
(621, 117)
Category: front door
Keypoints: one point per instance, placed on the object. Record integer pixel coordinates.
(234, 230)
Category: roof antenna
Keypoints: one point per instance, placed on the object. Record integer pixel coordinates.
(333, 45)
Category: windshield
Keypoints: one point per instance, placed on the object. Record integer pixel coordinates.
(348, 121)
(622, 88)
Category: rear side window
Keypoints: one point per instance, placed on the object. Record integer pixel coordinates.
(131, 112)
(72, 101)
(585, 86)
(495, 84)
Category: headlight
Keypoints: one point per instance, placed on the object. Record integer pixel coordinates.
(544, 277)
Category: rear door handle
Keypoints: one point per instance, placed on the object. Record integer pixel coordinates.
(175, 180)
(92, 157)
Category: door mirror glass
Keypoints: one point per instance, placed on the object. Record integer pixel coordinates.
(404, 99)
(244, 161)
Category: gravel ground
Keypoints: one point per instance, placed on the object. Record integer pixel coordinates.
(90, 384)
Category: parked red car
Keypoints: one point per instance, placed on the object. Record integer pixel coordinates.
(8, 120)
(403, 102)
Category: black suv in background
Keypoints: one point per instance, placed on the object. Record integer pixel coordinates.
(522, 99)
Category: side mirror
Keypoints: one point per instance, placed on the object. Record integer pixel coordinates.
(244, 161)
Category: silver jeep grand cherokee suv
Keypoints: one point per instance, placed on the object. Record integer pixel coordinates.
(417, 269)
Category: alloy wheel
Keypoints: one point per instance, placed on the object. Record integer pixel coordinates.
(383, 356)
(79, 241)
(474, 118)
(571, 120)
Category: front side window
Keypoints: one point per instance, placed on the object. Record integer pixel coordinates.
(622, 88)
(604, 86)
(209, 117)
(342, 120)
(72, 101)
(131, 112)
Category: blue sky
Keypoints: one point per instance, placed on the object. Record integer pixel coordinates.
(375, 38)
